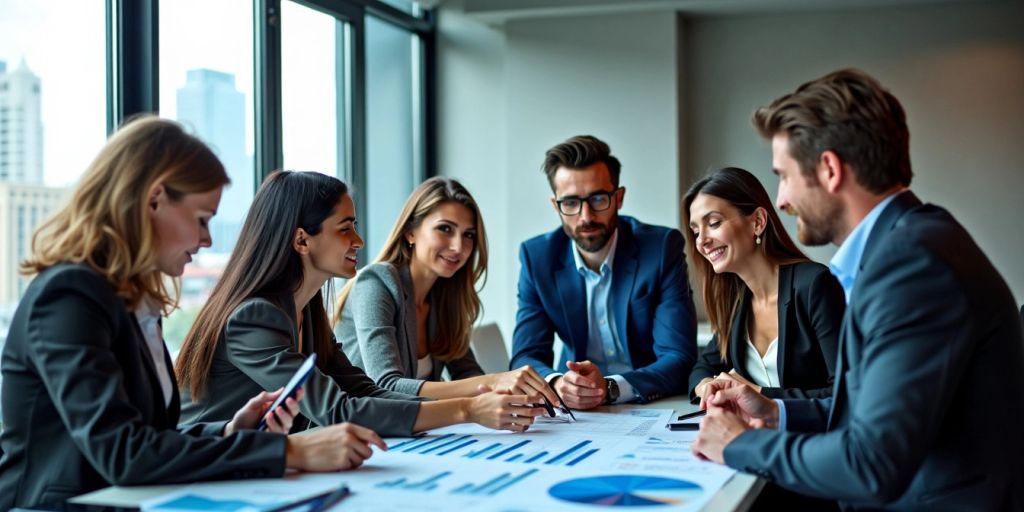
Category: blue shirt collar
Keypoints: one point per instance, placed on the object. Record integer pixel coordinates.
(846, 261)
(581, 266)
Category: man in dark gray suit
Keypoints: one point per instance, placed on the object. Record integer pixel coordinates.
(930, 377)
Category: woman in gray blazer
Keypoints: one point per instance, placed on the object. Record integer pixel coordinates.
(88, 395)
(266, 315)
(408, 317)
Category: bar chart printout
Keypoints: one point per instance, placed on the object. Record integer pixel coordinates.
(519, 451)
(433, 483)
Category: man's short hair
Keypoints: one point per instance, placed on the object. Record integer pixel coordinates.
(579, 152)
(850, 113)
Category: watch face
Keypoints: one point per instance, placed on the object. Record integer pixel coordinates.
(611, 389)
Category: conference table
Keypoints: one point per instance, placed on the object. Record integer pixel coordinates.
(736, 495)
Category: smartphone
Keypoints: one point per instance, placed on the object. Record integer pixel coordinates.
(683, 426)
(293, 387)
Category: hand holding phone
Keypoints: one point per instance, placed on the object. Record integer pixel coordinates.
(292, 388)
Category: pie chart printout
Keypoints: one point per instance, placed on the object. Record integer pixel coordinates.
(627, 491)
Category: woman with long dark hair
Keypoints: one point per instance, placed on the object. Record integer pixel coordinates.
(775, 314)
(88, 394)
(409, 315)
(267, 314)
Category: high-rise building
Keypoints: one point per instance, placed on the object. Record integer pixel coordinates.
(214, 109)
(23, 207)
(21, 127)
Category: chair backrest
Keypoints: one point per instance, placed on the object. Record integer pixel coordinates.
(489, 348)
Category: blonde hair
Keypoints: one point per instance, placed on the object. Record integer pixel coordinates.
(106, 226)
(454, 300)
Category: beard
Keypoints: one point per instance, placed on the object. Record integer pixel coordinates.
(817, 225)
(594, 242)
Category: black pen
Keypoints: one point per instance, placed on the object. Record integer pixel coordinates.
(565, 408)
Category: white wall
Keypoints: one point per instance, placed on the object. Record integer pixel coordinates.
(958, 69)
(509, 94)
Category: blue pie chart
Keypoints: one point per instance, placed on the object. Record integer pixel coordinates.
(627, 491)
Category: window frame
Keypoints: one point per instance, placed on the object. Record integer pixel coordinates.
(132, 62)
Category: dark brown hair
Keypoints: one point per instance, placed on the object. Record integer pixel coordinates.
(579, 152)
(724, 292)
(264, 264)
(850, 113)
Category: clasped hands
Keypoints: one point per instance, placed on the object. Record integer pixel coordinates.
(733, 408)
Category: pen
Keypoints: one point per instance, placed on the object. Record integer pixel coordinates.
(565, 408)
(330, 500)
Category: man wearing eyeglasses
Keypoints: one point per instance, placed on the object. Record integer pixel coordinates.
(612, 288)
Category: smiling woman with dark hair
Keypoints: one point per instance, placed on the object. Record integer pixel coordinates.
(774, 313)
(266, 315)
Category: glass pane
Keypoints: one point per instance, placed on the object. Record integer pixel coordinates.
(313, 90)
(393, 134)
(206, 82)
(407, 6)
(52, 120)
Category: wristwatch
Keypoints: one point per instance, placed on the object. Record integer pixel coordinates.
(611, 391)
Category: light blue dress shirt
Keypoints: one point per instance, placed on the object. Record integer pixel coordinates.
(604, 348)
(846, 263)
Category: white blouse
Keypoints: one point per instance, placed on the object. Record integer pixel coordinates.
(764, 371)
(148, 316)
(424, 367)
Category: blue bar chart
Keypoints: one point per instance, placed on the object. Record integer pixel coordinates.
(427, 484)
(494, 485)
(523, 451)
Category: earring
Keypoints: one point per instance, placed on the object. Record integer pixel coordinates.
(757, 239)
(410, 244)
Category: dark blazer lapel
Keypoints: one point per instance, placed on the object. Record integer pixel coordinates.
(573, 296)
(147, 361)
(738, 336)
(173, 410)
(900, 205)
(785, 307)
(623, 276)
(408, 312)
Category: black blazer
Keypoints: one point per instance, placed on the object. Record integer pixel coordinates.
(811, 306)
(83, 408)
(929, 386)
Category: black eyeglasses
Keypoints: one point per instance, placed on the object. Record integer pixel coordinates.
(598, 201)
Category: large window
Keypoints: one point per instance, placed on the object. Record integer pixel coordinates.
(314, 90)
(394, 138)
(52, 121)
(206, 83)
(336, 86)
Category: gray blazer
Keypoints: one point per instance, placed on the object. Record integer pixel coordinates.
(378, 331)
(258, 351)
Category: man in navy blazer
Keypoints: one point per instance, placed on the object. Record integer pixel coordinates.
(930, 374)
(611, 287)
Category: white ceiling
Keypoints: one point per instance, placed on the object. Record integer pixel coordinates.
(500, 11)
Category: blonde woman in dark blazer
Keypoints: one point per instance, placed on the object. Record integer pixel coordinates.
(408, 317)
(266, 315)
(88, 394)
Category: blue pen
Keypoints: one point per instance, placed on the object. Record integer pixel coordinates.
(328, 501)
